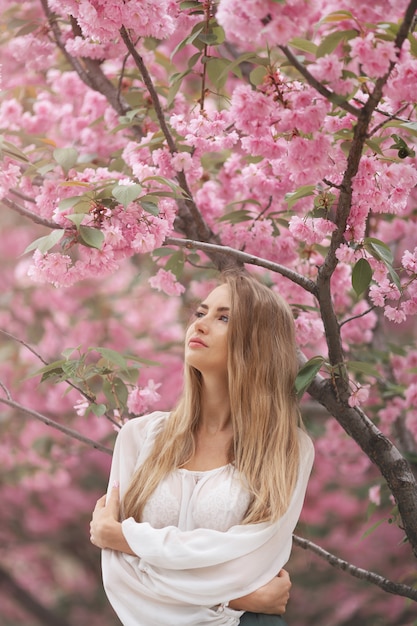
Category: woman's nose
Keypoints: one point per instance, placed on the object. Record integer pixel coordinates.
(201, 324)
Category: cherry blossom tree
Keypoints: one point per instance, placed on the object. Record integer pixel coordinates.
(145, 146)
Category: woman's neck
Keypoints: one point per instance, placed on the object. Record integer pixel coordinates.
(215, 408)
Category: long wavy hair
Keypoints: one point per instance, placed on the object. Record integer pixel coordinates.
(262, 366)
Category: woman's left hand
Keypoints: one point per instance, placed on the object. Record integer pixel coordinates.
(105, 528)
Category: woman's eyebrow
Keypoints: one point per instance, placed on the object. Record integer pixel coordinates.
(219, 309)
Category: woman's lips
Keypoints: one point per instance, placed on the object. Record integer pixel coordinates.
(197, 343)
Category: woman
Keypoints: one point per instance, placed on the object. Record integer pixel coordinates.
(212, 491)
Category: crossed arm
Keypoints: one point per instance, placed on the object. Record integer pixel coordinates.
(106, 532)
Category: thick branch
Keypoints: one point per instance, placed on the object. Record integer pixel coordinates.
(49, 422)
(325, 273)
(380, 450)
(384, 583)
(243, 257)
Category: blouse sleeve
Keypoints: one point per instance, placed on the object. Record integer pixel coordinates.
(133, 444)
(203, 563)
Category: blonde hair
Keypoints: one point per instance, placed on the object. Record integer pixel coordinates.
(262, 366)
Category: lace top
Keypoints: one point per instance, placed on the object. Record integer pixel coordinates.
(190, 499)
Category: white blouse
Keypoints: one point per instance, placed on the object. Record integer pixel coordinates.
(193, 556)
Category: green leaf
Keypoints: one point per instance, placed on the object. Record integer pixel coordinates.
(52, 369)
(68, 203)
(337, 16)
(363, 367)
(257, 75)
(91, 237)
(371, 529)
(149, 207)
(120, 390)
(394, 277)
(68, 351)
(330, 43)
(307, 374)
(302, 192)
(46, 243)
(197, 29)
(12, 151)
(76, 218)
(98, 409)
(234, 65)
(215, 71)
(65, 157)
(111, 355)
(125, 194)
(190, 4)
(361, 276)
(379, 250)
(234, 217)
(176, 263)
(304, 45)
(167, 182)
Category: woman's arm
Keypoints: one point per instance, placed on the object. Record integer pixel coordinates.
(106, 532)
(271, 598)
(105, 528)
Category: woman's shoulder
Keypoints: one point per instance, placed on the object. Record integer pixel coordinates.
(306, 445)
(144, 425)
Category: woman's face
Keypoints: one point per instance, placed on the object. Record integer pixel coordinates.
(206, 337)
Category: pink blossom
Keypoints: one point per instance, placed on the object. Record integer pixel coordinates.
(81, 406)
(373, 55)
(142, 399)
(9, 176)
(411, 396)
(327, 68)
(409, 261)
(359, 395)
(165, 281)
(310, 230)
(374, 494)
(396, 315)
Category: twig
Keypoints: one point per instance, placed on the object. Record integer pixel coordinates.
(393, 116)
(188, 205)
(22, 196)
(355, 317)
(69, 382)
(49, 422)
(150, 87)
(243, 257)
(23, 343)
(384, 583)
(334, 98)
(26, 213)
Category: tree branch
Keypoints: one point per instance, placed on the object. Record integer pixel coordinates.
(331, 325)
(90, 73)
(49, 422)
(384, 583)
(26, 213)
(69, 382)
(243, 257)
(334, 98)
(380, 450)
(192, 223)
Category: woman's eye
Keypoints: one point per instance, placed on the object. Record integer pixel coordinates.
(224, 318)
(199, 314)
